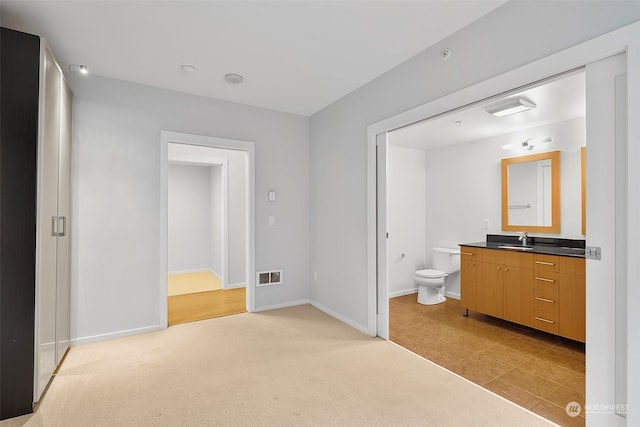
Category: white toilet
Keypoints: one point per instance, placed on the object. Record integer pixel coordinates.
(431, 282)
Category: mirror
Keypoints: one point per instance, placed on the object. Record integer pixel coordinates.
(531, 193)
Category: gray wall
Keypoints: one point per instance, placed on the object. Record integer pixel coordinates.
(488, 47)
(189, 217)
(116, 258)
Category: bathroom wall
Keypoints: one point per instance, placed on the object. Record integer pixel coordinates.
(189, 213)
(406, 210)
(464, 187)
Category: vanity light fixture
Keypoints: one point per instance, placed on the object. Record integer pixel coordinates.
(510, 106)
(82, 69)
(528, 144)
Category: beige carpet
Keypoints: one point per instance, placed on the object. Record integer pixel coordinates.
(289, 367)
(191, 283)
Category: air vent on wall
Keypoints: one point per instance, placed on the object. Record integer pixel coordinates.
(267, 278)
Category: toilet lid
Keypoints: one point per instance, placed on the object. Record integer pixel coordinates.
(430, 274)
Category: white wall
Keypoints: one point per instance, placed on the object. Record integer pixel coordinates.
(406, 213)
(216, 219)
(116, 175)
(488, 47)
(237, 208)
(189, 218)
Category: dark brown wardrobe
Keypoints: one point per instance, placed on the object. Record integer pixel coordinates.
(35, 207)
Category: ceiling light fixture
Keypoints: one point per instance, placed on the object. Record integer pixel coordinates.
(234, 79)
(511, 106)
(188, 68)
(82, 69)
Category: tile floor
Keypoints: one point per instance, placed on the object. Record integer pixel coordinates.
(533, 369)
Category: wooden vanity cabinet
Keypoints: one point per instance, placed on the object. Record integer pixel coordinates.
(468, 278)
(545, 292)
(505, 285)
(572, 299)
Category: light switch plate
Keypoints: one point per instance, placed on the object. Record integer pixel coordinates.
(272, 196)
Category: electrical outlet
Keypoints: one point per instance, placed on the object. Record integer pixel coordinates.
(485, 223)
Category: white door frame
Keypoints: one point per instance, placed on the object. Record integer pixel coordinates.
(250, 245)
(626, 39)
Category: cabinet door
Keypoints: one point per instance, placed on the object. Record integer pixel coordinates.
(490, 289)
(45, 348)
(63, 282)
(572, 307)
(518, 295)
(468, 284)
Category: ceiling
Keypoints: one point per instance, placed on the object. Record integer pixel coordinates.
(296, 56)
(558, 99)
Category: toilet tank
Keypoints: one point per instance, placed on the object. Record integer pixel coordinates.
(446, 259)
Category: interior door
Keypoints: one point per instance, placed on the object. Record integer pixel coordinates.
(606, 207)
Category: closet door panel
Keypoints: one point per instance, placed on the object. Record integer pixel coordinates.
(46, 293)
(63, 311)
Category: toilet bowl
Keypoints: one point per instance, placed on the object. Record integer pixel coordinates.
(431, 282)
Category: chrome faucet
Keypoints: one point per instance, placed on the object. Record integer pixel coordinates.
(523, 238)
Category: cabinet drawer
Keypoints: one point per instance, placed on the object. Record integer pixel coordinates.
(468, 253)
(546, 281)
(545, 263)
(491, 256)
(546, 308)
(544, 324)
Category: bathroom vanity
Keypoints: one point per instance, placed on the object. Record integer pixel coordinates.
(540, 285)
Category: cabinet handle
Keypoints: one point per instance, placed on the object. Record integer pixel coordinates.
(506, 269)
(545, 280)
(64, 226)
(544, 320)
(467, 253)
(497, 268)
(473, 264)
(545, 263)
(54, 226)
(544, 299)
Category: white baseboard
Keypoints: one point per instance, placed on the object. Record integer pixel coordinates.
(282, 305)
(340, 317)
(195, 270)
(234, 286)
(402, 293)
(452, 295)
(215, 273)
(112, 335)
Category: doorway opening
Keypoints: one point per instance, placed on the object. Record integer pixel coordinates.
(444, 188)
(207, 236)
(608, 205)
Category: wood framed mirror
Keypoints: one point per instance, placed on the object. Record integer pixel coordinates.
(531, 193)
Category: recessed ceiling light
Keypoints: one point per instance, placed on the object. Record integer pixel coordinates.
(188, 68)
(233, 78)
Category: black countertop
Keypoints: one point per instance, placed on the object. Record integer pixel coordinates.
(536, 245)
